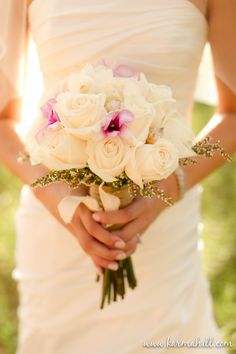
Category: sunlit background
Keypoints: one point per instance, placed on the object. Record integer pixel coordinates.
(218, 209)
(33, 89)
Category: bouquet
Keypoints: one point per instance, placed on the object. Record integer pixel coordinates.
(117, 133)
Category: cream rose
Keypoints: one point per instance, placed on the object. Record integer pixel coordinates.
(144, 113)
(154, 92)
(149, 162)
(107, 158)
(58, 149)
(177, 130)
(102, 75)
(80, 83)
(114, 94)
(81, 114)
(89, 79)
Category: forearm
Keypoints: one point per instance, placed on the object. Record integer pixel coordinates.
(10, 147)
(221, 127)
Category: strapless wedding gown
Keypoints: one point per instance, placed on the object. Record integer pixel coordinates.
(59, 298)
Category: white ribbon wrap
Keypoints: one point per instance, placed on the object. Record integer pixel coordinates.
(69, 204)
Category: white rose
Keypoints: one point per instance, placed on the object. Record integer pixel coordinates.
(81, 114)
(107, 158)
(114, 94)
(177, 130)
(102, 75)
(58, 149)
(143, 111)
(160, 96)
(150, 162)
(154, 92)
(81, 81)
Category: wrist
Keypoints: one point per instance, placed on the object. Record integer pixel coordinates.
(51, 195)
(170, 188)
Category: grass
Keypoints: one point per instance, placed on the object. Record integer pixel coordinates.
(219, 235)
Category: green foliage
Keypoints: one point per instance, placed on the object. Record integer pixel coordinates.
(219, 235)
(9, 192)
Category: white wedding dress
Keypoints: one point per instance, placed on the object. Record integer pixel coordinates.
(59, 298)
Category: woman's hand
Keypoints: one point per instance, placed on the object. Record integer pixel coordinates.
(103, 247)
(138, 215)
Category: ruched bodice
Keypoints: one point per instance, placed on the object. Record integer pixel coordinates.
(162, 38)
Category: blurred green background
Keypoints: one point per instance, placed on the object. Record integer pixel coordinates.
(219, 235)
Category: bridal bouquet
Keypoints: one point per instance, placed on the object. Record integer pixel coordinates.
(117, 133)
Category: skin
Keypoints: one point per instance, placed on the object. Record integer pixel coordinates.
(102, 246)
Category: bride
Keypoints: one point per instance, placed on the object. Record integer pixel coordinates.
(59, 298)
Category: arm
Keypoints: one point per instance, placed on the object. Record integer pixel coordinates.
(222, 126)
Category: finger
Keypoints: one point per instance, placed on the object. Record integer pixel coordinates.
(99, 269)
(132, 229)
(131, 246)
(103, 263)
(97, 231)
(120, 216)
(93, 247)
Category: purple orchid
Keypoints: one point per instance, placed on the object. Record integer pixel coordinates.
(48, 111)
(119, 70)
(52, 117)
(116, 121)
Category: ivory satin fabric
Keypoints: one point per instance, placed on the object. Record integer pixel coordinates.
(59, 298)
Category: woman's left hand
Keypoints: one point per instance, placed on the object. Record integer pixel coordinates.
(137, 216)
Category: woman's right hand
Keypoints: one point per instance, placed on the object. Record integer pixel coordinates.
(104, 247)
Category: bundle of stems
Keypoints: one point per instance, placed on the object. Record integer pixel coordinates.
(114, 283)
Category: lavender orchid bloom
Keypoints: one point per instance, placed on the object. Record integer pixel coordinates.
(116, 122)
(48, 111)
(123, 70)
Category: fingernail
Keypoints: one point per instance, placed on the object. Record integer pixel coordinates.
(120, 244)
(113, 266)
(121, 256)
(96, 217)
